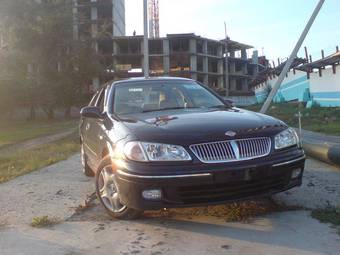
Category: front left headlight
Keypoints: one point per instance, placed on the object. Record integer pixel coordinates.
(286, 139)
(144, 151)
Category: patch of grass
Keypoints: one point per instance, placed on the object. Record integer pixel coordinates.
(328, 215)
(44, 221)
(25, 162)
(318, 119)
(12, 132)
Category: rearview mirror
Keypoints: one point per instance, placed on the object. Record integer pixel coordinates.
(229, 102)
(91, 112)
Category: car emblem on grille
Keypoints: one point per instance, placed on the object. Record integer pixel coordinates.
(230, 133)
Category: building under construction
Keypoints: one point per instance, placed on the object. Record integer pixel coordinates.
(222, 65)
(99, 21)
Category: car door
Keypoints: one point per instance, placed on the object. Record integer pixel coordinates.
(90, 134)
(98, 127)
(84, 128)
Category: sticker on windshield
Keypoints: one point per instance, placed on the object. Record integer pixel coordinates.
(135, 89)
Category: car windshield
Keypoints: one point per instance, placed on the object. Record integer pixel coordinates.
(151, 96)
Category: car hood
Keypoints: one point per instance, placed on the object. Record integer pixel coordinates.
(191, 126)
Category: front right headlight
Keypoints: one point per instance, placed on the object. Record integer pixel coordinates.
(286, 139)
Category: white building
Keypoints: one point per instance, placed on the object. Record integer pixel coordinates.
(315, 83)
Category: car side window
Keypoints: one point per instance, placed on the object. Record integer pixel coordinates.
(100, 101)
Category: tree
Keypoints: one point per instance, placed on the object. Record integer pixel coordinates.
(81, 64)
(45, 63)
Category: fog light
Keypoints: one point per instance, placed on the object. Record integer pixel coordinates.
(152, 194)
(296, 173)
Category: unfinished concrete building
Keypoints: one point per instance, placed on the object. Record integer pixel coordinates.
(191, 56)
(241, 69)
(99, 20)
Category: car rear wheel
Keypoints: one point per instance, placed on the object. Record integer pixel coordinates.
(86, 169)
(108, 193)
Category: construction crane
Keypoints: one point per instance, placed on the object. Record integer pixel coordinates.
(153, 19)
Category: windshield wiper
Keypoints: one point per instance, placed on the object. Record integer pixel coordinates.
(169, 108)
(222, 106)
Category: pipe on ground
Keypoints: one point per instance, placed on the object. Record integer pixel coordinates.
(329, 153)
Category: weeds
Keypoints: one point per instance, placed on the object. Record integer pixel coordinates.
(238, 211)
(328, 215)
(44, 221)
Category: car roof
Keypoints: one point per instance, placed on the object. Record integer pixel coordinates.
(159, 78)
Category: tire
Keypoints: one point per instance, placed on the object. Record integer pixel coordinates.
(86, 169)
(108, 194)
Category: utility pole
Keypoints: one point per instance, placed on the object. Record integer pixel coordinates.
(225, 29)
(146, 40)
(291, 58)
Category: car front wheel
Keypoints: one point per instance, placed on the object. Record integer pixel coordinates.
(108, 193)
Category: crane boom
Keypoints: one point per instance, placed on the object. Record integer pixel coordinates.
(154, 18)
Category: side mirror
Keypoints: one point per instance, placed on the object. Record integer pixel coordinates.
(229, 102)
(91, 112)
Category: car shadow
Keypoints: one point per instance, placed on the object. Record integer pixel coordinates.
(291, 229)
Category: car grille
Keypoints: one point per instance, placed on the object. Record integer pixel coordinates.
(233, 150)
(230, 191)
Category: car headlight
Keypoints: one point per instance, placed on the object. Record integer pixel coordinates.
(286, 138)
(134, 151)
(143, 151)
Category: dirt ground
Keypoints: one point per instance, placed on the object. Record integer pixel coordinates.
(57, 191)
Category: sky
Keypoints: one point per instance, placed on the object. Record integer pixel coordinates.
(271, 26)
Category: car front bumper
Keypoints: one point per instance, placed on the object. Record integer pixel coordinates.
(211, 186)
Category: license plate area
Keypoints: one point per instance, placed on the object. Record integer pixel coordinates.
(247, 174)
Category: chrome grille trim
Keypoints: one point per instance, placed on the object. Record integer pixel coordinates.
(232, 150)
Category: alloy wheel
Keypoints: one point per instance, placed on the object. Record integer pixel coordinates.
(108, 190)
